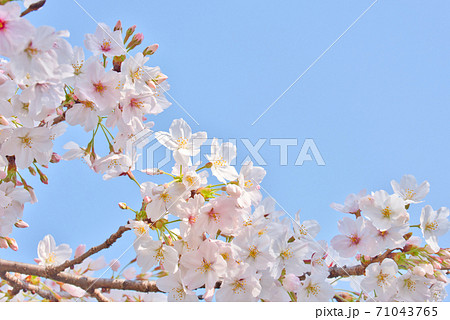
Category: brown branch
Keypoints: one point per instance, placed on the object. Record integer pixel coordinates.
(99, 296)
(59, 119)
(108, 242)
(19, 284)
(358, 270)
(84, 282)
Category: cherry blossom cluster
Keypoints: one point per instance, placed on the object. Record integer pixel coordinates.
(381, 224)
(206, 233)
(46, 85)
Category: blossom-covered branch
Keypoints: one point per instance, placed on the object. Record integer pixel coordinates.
(206, 225)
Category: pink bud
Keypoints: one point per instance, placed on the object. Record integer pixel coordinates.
(291, 282)
(123, 205)
(21, 224)
(37, 260)
(445, 253)
(80, 250)
(115, 265)
(436, 265)
(12, 243)
(55, 158)
(118, 26)
(147, 199)
(441, 277)
(135, 41)
(150, 49)
(32, 171)
(131, 30)
(44, 178)
(3, 121)
(3, 243)
(128, 33)
(139, 37)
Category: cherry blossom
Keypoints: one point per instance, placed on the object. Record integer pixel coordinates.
(434, 224)
(409, 190)
(104, 41)
(381, 278)
(357, 236)
(49, 254)
(384, 210)
(191, 232)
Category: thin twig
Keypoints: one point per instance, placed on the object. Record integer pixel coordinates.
(108, 242)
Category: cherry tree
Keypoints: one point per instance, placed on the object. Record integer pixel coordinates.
(207, 233)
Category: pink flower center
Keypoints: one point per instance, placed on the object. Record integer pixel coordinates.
(99, 87)
(2, 24)
(354, 239)
(106, 45)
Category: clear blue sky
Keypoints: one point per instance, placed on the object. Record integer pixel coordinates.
(376, 104)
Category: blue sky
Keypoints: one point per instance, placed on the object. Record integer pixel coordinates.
(375, 104)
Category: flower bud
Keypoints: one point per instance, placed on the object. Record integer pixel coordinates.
(135, 41)
(128, 33)
(32, 171)
(445, 253)
(3, 121)
(80, 250)
(291, 283)
(436, 265)
(21, 224)
(150, 50)
(43, 178)
(441, 277)
(12, 243)
(147, 199)
(123, 205)
(118, 26)
(55, 158)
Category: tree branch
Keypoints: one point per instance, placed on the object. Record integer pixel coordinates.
(84, 282)
(99, 296)
(19, 284)
(108, 242)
